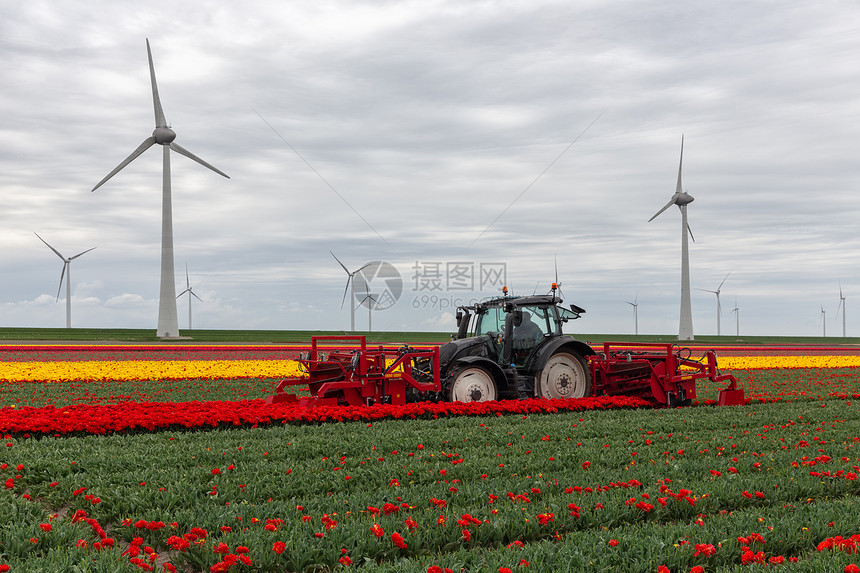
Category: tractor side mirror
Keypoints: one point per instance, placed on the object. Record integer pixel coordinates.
(459, 317)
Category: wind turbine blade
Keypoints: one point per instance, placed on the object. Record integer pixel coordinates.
(724, 280)
(194, 295)
(187, 280)
(340, 263)
(179, 149)
(62, 274)
(680, 164)
(345, 290)
(691, 232)
(147, 143)
(706, 290)
(50, 247)
(657, 214)
(182, 293)
(156, 101)
(83, 253)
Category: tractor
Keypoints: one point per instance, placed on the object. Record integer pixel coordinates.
(516, 350)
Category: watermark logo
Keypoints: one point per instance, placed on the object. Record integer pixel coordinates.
(443, 285)
(378, 285)
(439, 285)
(461, 276)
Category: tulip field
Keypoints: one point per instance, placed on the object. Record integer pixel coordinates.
(153, 458)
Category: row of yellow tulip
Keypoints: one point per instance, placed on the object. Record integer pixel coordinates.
(221, 369)
(147, 370)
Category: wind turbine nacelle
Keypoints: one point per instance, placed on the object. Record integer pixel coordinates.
(683, 199)
(165, 135)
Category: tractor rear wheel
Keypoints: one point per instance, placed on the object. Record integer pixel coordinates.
(471, 384)
(564, 376)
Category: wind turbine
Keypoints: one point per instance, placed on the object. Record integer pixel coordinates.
(67, 272)
(719, 308)
(823, 322)
(842, 306)
(737, 319)
(371, 302)
(350, 286)
(682, 199)
(635, 305)
(190, 294)
(168, 323)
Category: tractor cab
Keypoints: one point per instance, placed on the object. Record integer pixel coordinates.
(517, 327)
(514, 346)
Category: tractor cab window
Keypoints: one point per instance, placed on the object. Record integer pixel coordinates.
(492, 321)
(534, 326)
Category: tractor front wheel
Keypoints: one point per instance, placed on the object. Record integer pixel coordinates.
(471, 384)
(564, 376)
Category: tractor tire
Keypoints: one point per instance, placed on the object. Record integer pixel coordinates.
(471, 384)
(564, 376)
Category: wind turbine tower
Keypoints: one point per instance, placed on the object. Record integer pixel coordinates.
(168, 323)
(737, 319)
(635, 305)
(350, 287)
(371, 300)
(823, 322)
(719, 308)
(842, 306)
(190, 294)
(67, 272)
(682, 199)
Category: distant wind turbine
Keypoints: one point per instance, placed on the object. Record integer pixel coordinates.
(168, 322)
(371, 300)
(190, 294)
(842, 306)
(635, 305)
(67, 272)
(682, 199)
(737, 319)
(719, 308)
(823, 322)
(350, 287)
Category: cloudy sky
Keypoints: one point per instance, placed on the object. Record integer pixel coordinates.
(449, 139)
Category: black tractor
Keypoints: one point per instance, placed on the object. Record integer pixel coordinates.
(516, 350)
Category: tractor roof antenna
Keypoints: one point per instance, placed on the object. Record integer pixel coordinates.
(682, 199)
(168, 322)
(557, 284)
(67, 272)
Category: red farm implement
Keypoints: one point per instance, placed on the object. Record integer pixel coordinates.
(344, 370)
(661, 372)
(360, 375)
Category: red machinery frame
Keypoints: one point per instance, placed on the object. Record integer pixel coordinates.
(358, 376)
(351, 373)
(654, 371)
